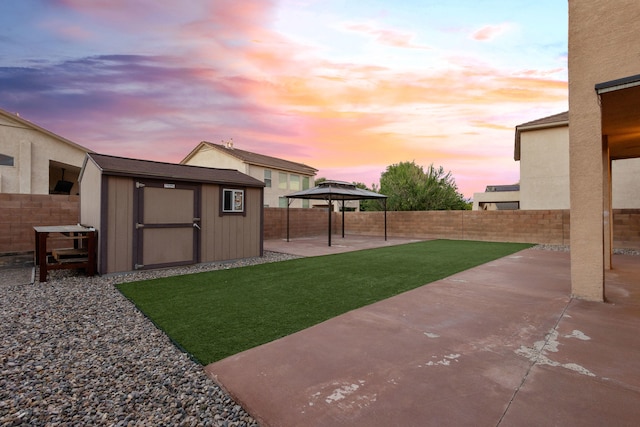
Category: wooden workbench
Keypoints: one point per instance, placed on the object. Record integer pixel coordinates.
(81, 255)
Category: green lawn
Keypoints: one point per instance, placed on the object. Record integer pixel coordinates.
(216, 314)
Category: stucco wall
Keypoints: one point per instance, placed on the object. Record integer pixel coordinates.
(32, 150)
(213, 158)
(603, 46)
(626, 183)
(544, 172)
(544, 169)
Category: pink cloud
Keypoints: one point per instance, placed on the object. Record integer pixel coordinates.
(389, 37)
(490, 32)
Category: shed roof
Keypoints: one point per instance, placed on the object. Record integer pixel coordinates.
(556, 120)
(122, 166)
(255, 158)
(336, 190)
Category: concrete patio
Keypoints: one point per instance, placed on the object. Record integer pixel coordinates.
(500, 344)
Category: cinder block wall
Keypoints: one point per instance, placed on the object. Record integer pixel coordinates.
(626, 228)
(302, 222)
(545, 226)
(19, 213)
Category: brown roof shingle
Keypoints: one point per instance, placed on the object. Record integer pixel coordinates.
(122, 166)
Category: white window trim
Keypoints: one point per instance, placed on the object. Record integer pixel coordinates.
(234, 193)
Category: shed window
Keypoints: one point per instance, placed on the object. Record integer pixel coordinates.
(6, 160)
(232, 200)
(267, 178)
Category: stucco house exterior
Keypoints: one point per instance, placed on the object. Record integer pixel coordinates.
(281, 177)
(34, 160)
(542, 148)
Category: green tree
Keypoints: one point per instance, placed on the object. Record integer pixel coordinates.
(409, 187)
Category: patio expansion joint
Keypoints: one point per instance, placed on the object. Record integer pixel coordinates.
(534, 361)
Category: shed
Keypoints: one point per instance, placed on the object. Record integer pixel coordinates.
(337, 190)
(151, 214)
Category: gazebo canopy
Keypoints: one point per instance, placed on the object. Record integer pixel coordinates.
(337, 190)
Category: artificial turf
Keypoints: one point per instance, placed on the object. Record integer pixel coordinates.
(216, 314)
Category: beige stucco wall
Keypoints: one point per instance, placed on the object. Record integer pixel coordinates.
(626, 184)
(544, 172)
(210, 157)
(603, 46)
(32, 150)
(544, 169)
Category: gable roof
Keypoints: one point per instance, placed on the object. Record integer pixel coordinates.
(254, 158)
(122, 166)
(28, 124)
(556, 120)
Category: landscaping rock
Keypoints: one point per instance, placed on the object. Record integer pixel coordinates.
(76, 352)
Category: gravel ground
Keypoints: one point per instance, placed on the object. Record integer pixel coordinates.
(565, 248)
(77, 352)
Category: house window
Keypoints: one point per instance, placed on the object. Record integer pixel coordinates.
(282, 202)
(305, 183)
(267, 178)
(294, 182)
(6, 160)
(305, 203)
(232, 201)
(282, 180)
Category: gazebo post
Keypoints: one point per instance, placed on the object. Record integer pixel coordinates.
(330, 209)
(343, 218)
(288, 203)
(385, 220)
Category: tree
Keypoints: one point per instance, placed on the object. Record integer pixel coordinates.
(409, 187)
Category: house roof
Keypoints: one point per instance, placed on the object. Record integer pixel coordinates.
(501, 188)
(254, 158)
(121, 166)
(556, 120)
(28, 124)
(336, 190)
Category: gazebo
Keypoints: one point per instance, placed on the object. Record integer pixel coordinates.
(339, 191)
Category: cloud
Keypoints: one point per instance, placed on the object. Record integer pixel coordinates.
(385, 36)
(491, 32)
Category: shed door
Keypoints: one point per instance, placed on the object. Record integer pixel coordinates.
(167, 224)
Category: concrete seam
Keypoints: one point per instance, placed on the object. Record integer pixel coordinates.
(534, 362)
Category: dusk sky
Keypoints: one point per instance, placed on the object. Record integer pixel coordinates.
(348, 87)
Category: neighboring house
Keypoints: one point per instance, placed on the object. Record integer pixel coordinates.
(542, 148)
(34, 160)
(497, 198)
(281, 177)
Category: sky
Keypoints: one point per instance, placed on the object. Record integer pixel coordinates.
(347, 87)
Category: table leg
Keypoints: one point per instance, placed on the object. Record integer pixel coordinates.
(41, 242)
